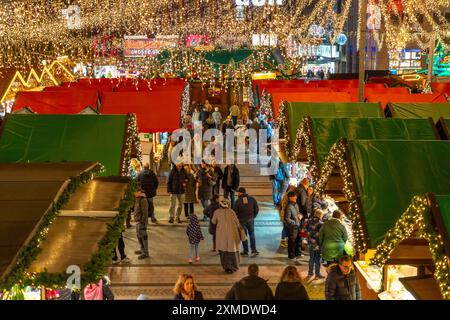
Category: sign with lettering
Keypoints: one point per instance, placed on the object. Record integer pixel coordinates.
(259, 3)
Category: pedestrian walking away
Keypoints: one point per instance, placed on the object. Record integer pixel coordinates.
(247, 209)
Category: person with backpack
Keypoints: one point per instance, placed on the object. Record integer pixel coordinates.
(149, 183)
(280, 183)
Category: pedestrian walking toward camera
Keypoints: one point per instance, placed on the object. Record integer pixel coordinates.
(141, 218)
(176, 184)
(342, 282)
(292, 218)
(149, 183)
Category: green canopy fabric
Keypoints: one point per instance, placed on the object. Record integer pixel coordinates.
(444, 208)
(295, 111)
(327, 131)
(389, 173)
(421, 110)
(64, 138)
(226, 56)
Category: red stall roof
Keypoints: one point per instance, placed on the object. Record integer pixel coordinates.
(329, 96)
(441, 87)
(156, 111)
(56, 102)
(384, 99)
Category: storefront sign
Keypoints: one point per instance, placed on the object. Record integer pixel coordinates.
(199, 42)
(139, 46)
(259, 3)
(264, 40)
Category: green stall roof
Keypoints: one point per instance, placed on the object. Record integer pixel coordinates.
(295, 111)
(444, 208)
(389, 173)
(420, 110)
(327, 131)
(32, 138)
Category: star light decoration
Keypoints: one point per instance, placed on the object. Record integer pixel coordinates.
(417, 217)
(403, 22)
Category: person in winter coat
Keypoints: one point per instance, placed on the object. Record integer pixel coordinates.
(141, 218)
(280, 183)
(229, 234)
(190, 195)
(332, 238)
(204, 114)
(247, 209)
(342, 282)
(217, 116)
(206, 181)
(303, 198)
(230, 182)
(195, 115)
(194, 233)
(209, 212)
(185, 288)
(290, 286)
(176, 184)
(107, 293)
(218, 177)
(234, 112)
(292, 218)
(251, 287)
(284, 203)
(313, 228)
(149, 183)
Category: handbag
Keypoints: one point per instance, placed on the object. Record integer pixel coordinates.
(242, 233)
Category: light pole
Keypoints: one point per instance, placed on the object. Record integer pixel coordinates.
(362, 47)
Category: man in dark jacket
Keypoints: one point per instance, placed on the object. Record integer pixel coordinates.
(247, 209)
(342, 283)
(176, 184)
(292, 219)
(141, 218)
(251, 287)
(230, 182)
(149, 183)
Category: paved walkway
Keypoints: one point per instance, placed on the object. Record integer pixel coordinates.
(169, 249)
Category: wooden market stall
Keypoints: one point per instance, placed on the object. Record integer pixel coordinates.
(426, 221)
(378, 179)
(109, 139)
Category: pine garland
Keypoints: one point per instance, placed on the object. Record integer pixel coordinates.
(30, 252)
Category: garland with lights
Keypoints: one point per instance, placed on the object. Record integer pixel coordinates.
(132, 144)
(30, 252)
(96, 267)
(417, 216)
(185, 102)
(337, 158)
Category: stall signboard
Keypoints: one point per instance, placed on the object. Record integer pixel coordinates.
(141, 46)
(259, 3)
(441, 65)
(199, 42)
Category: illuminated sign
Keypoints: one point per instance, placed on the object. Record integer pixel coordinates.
(141, 46)
(259, 3)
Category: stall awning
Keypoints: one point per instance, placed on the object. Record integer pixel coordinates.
(295, 111)
(65, 138)
(335, 97)
(56, 102)
(420, 110)
(327, 131)
(26, 193)
(384, 99)
(389, 173)
(156, 111)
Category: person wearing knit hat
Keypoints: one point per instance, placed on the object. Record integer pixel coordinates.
(228, 236)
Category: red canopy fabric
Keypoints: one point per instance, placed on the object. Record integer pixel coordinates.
(156, 111)
(330, 96)
(441, 87)
(369, 90)
(56, 102)
(384, 99)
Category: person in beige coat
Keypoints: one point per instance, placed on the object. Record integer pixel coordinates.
(229, 235)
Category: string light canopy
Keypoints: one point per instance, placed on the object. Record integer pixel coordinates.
(35, 29)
